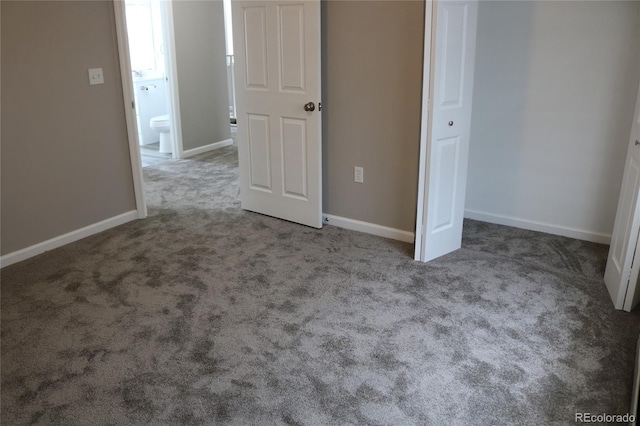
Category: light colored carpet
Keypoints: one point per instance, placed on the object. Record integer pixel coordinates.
(204, 314)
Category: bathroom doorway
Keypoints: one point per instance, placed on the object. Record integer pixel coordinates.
(189, 48)
(146, 23)
(187, 44)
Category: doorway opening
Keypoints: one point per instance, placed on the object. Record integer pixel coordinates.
(174, 70)
(146, 29)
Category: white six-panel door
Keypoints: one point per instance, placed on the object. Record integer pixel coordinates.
(621, 273)
(277, 73)
(446, 124)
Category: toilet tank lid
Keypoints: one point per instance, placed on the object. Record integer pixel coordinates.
(160, 118)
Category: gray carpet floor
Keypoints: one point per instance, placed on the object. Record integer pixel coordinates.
(206, 314)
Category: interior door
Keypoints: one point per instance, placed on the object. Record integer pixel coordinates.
(277, 74)
(447, 128)
(621, 273)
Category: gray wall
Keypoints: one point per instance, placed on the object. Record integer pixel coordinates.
(202, 72)
(65, 158)
(372, 79)
(555, 88)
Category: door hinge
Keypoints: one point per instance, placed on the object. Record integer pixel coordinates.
(133, 104)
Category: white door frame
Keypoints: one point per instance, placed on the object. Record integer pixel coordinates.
(171, 70)
(129, 106)
(173, 106)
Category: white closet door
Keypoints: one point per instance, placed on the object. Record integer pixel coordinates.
(446, 144)
(621, 273)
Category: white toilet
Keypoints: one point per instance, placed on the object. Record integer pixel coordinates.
(162, 125)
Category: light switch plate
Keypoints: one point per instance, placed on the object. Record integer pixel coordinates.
(358, 174)
(96, 76)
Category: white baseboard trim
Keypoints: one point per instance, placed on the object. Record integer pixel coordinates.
(206, 148)
(368, 228)
(579, 234)
(70, 237)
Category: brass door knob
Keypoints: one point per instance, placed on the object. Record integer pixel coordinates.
(309, 106)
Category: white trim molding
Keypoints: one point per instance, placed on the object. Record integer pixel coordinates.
(368, 228)
(206, 148)
(129, 109)
(171, 69)
(565, 231)
(70, 237)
